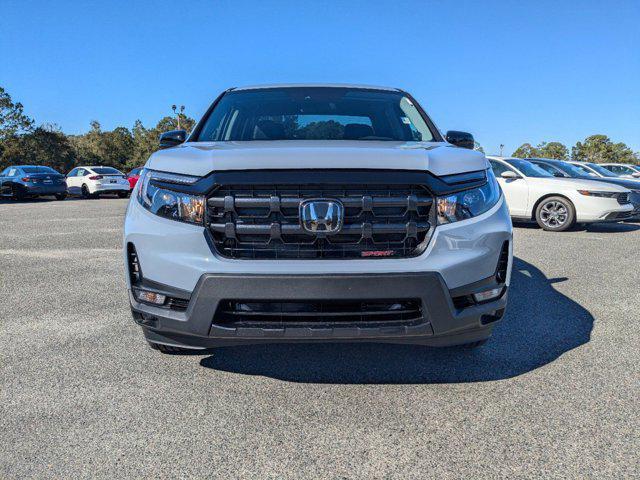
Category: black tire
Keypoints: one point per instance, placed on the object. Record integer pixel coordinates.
(85, 192)
(60, 196)
(556, 214)
(166, 348)
(17, 193)
(123, 194)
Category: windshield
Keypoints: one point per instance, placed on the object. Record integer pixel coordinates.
(583, 170)
(601, 170)
(106, 171)
(315, 113)
(528, 169)
(573, 170)
(39, 170)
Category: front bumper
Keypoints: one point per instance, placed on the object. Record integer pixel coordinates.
(597, 210)
(441, 322)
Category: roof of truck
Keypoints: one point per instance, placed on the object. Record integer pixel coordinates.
(316, 85)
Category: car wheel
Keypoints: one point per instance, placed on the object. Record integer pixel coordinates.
(556, 214)
(87, 194)
(166, 348)
(123, 194)
(61, 196)
(17, 193)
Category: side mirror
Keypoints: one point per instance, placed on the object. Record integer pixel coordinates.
(460, 139)
(172, 138)
(636, 175)
(509, 174)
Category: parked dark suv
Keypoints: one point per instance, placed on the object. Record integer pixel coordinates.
(30, 181)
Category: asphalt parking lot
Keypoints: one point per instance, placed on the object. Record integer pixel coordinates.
(554, 394)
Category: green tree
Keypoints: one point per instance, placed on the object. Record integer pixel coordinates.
(12, 118)
(146, 140)
(600, 149)
(543, 150)
(145, 143)
(45, 145)
(112, 148)
(553, 150)
(526, 150)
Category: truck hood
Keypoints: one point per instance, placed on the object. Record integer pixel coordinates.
(202, 158)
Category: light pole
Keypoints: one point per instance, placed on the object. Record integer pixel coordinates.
(501, 148)
(180, 111)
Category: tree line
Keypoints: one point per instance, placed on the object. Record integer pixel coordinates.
(595, 148)
(22, 142)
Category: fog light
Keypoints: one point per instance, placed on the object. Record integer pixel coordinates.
(487, 295)
(150, 297)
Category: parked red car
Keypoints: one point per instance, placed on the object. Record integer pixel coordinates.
(133, 176)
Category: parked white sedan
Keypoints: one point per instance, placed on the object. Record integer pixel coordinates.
(557, 204)
(90, 182)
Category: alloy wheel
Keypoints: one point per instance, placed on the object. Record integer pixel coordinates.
(554, 214)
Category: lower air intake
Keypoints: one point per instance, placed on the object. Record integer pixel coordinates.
(503, 263)
(252, 313)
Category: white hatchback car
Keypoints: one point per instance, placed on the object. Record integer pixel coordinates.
(557, 204)
(90, 182)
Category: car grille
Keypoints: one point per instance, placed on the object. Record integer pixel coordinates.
(256, 313)
(262, 222)
(623, 198)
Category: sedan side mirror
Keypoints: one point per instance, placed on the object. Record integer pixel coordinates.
(172, 138)
(509, 174)
(636, 175)
(460, 139)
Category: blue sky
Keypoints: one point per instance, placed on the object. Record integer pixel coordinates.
(509, 72)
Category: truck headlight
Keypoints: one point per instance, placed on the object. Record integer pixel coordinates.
(168, 203)
(468, 203)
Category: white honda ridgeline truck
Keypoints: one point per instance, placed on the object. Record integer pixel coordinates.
(315, 213)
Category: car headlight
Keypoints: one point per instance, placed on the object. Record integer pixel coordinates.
(168, 203)
(469, 203)
(595, 193)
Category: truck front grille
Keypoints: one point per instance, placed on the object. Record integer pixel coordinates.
(263, 221)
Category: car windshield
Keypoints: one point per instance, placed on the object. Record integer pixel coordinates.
(528, 169)
(38, 169)
(572, 170)
(601, 170)
(315, 113)
(106, 171)
(583, 170)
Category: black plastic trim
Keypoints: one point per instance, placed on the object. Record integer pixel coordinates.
(437, 185)
(197, 327)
